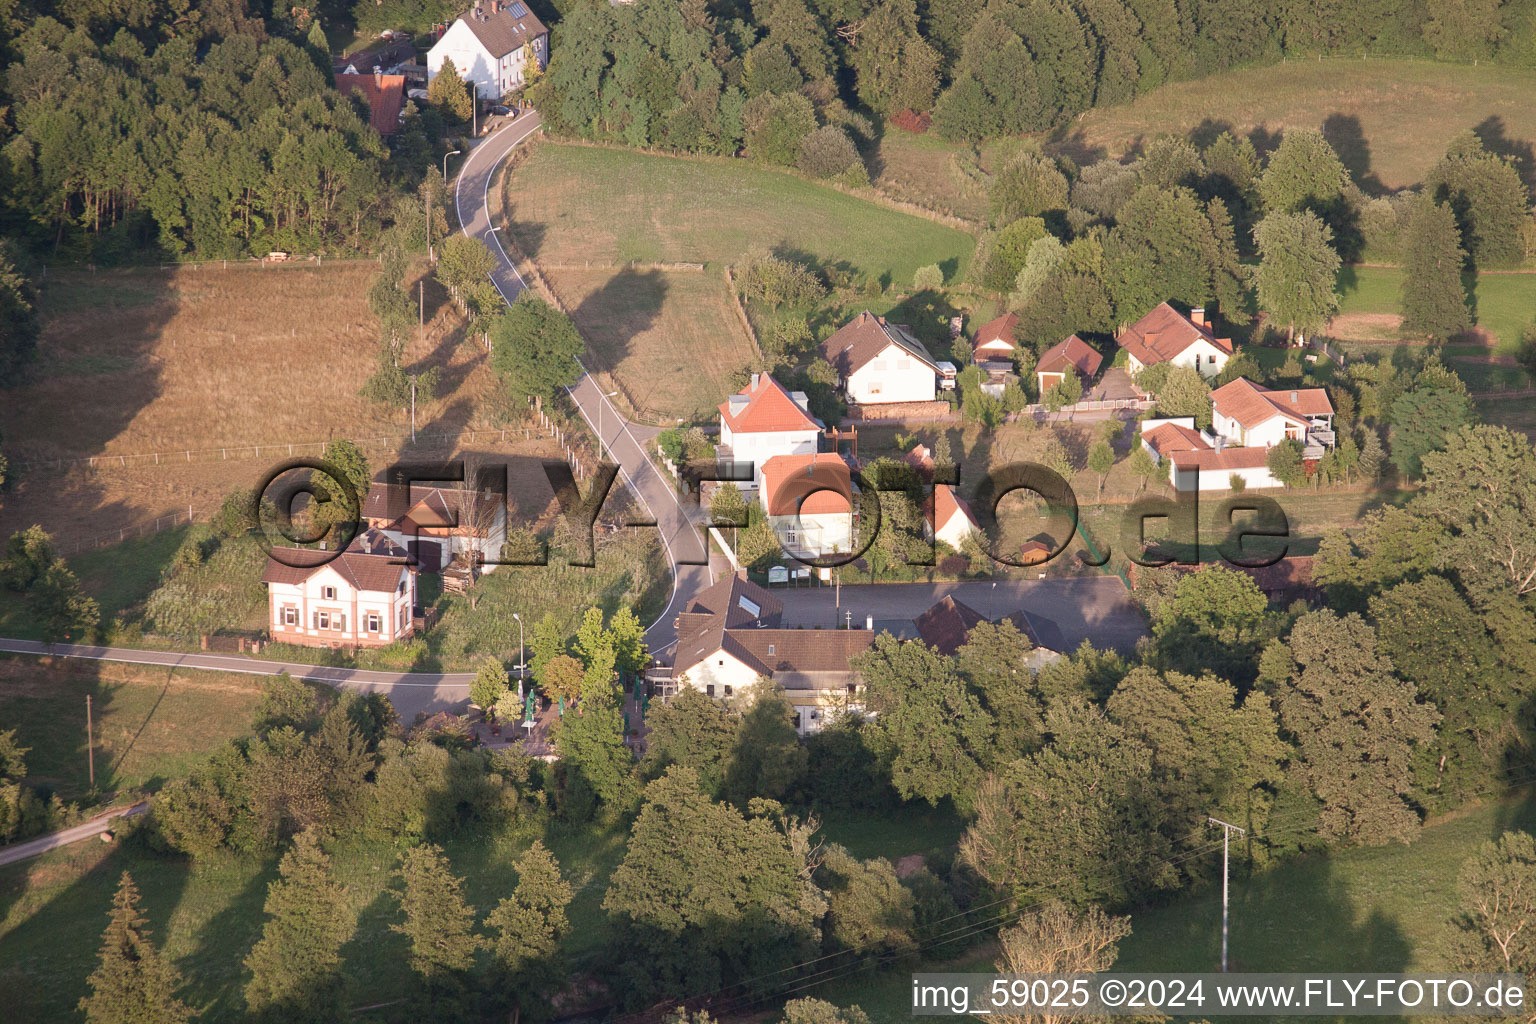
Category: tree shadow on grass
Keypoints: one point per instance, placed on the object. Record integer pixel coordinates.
(1345, 135)
(1495, 138)
(612, 317)
(49, 956)
(1297, 916)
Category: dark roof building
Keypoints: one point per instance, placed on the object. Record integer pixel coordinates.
(863, 338)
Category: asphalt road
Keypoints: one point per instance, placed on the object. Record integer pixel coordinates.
(1094, 608)
(410, 692)
(686, 549)
(89, 830)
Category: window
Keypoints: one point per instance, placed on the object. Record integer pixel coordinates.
(402, 587)
(329, 593)
(290, 616)
(770, 648)
(322, 620)
(374, 622)
(710, 689)
(1210, 359)
(728, 689)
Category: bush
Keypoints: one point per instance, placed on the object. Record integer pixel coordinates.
(1237, 482)
(826, 151)
(776, 126)
(928, 278)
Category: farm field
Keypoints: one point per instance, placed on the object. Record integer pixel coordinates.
(1390, 120)
(669, 338)
(574, 205)
(1386, 909)
(144, 361)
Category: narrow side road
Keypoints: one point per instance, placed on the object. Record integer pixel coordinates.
(89, 830)
(687, 552)
(410, 692)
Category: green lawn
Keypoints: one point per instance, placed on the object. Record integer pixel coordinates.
(1386, 909)
(118, 577)
(207, 914)
(150, 723)
(1505, 303)
(572, 204)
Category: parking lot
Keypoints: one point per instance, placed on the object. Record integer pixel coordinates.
(1098, 608)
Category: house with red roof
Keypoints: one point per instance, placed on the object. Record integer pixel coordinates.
(730, 636)
(949, 517)
(1255, 416)
(1165, 335)
(879, 362)
(1072, 355)
(1195, 460)
(763, 421)
(995, 341)
(384, 95)
(363, 597)
(810, 503)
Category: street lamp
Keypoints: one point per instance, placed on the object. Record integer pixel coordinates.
(451, 152)
(520, 654)
(605, 397)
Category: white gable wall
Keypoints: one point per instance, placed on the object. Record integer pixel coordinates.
(1202, 356)
(757, 447)
(895, 375)
(326, 609)
(723, 672)
(493, 77)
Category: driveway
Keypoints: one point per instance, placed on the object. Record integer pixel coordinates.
(1093, 608)
(95, 827)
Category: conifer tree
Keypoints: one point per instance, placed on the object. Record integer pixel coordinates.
(449, 93)
(530, 924)
(1434, 299)
(296, 965)
(133, 983)
(440, 925)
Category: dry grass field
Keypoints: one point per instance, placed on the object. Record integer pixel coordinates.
(166, 360)
(670, 339)
(1389, 119)
(570, 204)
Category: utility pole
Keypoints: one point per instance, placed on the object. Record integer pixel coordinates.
(1226, 837)
(90, 746)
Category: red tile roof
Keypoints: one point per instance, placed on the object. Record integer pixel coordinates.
(363, 571)
(1166, 438)
(994, 331)
(946, 505)
(1164, 333)
(768, 409)
(946, 625)
(1073, 352)
(1211, 460)
(788, 478)
(385, 95)
(1251, 404)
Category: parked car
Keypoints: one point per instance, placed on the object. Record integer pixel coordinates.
(500, 111)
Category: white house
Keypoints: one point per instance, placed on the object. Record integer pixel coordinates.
(762, 421)
(879, 362)
(437, 525)
(492, 46)
(729, 637)
(995, 341)
(1167, 336)
(363, 597)
(949, 517)
(1245, 413)
(809, 501)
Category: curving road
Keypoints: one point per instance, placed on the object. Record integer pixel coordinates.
(686, 550)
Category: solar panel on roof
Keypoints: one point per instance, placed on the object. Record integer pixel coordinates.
(519, 10)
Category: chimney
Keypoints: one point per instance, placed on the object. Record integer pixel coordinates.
(1197, 315)
(756, 378)
(1293, 398)
(880, 320)
(378, 79)
(869, 623)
